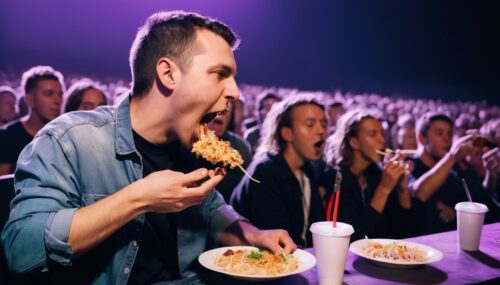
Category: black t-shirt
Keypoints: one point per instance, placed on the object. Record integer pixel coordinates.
(157, 258)
(13, 138)
(450, 193)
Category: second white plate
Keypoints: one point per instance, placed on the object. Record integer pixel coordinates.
(432, 254)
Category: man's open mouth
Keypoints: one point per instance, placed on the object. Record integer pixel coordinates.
(208, 117)
(319, 145)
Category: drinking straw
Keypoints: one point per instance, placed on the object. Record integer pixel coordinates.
(336, 191)
(466, 190)
(336, 208)
(336, 187)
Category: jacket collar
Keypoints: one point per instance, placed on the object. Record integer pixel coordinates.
(124, 141)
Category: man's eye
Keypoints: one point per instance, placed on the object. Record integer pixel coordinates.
(221, 74)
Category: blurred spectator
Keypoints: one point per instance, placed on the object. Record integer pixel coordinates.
(287, 196)
(264, 103)
(237, 116)
(435, 180)
(84, 95)
(480, 168)
(403, 133)
(8, 100)
(43, 87)
(335, 110)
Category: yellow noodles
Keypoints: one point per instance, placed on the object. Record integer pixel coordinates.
(256, 262)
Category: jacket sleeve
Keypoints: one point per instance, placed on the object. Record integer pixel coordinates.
(221, 215)
(41, 212)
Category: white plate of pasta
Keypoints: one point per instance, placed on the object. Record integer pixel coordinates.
(395, 253)
(250, 263)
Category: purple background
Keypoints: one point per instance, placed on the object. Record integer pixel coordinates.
(449, 50)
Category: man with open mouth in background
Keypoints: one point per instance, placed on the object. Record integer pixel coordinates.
(293, 134)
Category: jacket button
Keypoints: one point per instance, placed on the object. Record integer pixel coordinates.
(126, 270)
(134, 243)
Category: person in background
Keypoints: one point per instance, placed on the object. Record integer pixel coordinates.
(236, 122)
(233, 176)
(287, 196)
(84, 95)
(8, 101)
(103, 196)
(435, 181)
(374, 198)
(335, 110)
(43, 87)
(264, 103)
(403, 133)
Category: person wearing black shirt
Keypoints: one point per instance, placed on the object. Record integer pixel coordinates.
(375, 200)
(435, 181)
(287, 196)
(43, 87)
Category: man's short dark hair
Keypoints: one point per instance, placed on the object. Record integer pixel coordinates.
(424, 122)
(31, 77)
(169, 34)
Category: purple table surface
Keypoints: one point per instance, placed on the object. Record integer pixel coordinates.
(456, 267)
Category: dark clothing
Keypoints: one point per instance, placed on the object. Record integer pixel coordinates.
(479, 194)
(355, 209)
(252, 135)
(156, 258)
(450, 193)
(13, 138)
(276, 202)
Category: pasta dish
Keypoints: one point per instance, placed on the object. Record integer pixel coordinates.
(256, 262)
(394, 251)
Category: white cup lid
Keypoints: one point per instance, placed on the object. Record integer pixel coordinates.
(327, 229)
(476, 208)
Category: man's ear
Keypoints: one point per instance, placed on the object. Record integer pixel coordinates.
(422, 139)
(287, 134)
(353, 142)
(165, 69)
(29, 98)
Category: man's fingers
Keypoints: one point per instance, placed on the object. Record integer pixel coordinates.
(288, 245)
(193, 176)
(208, 185)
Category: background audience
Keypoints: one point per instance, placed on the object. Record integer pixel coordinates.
(43, 88)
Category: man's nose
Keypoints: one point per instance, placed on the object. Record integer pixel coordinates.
(232, 90)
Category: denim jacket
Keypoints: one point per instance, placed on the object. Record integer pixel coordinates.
(76, 160)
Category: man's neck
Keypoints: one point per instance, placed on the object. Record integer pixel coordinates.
(359, 164)
(146, 122)
(427, 159)
(32, 124)
(293, 159)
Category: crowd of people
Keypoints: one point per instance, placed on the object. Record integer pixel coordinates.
(108, 190)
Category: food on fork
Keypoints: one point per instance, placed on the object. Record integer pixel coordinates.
(389, 152)
(256, 262)
(211, 148)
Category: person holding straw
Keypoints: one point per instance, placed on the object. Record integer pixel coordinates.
(368, 201)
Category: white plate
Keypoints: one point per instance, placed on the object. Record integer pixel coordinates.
(433, 255)
(306, 262)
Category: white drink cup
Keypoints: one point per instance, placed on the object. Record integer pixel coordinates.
(470, 218)
(330, 247)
